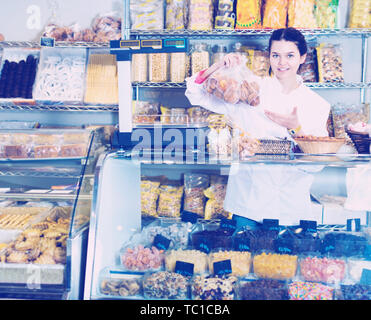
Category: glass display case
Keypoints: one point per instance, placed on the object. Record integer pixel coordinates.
(44, 213)
(135, 197)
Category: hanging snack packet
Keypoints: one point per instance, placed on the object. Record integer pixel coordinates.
(275, 14)
(200, 14)
(301, 14)
(194, 198)
(360, 16)
(248, 14)
(176, 14)
(234, 85)
(326, 12)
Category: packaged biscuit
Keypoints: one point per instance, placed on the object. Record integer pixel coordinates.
(149, 191)
(326, 12)
(275, 14)
(308, 70)
(248, 14)
(330, 63)
(147, 14)
(301, 14)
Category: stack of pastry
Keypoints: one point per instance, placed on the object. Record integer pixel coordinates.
(43, 243)
(101, 80)
(18, 217)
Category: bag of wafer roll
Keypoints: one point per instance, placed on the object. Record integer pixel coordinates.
(234, 85)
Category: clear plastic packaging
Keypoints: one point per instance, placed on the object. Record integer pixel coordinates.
(322, 269)
(178, 116)
(18, 72)
(207, 287)
(178, 66)
(248, 14)
(275, 266)
(260, 63)
(198, 258)
(214, 207)
(326, 12)
(200, 14)
(330, 63)
(61, 75)
(207, 235)
(234, 85)
(220, 53)
(137, 257)
(262, 289)
(348, 244)
(240, 261)
(146, 112)
(171, 228)
(165, 285)
(225, 17)
(200, 58)
(106, 27)
(194, 187)
(158, 67)
(147, 15)
(115, 284)
(301, 14)
(101, 79)
(305, 290)
(149, 191)
(359, 16)
(308, 70)
(170, 200)
(176, 14)
(275, 14)
(139, 67)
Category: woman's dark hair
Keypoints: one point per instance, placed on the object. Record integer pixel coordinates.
(289, 34)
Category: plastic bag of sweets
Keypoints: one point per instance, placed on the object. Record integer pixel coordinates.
(149, 191)
(234, 85)
(275, 14)
(308, 70)
(200, 14)
(326, 13)
(194, 198)
(360, 16)
(330, 63)
(248, 14)
(176, 14)
(301, 14)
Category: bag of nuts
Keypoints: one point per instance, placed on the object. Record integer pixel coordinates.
(235, 84)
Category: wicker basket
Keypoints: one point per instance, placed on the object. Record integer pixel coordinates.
(268, 146)
(331, 145)
(361, 141)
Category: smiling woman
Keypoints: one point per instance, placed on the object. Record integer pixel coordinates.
(286, 109)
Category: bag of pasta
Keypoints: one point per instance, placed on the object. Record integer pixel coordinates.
(170, 200)
(235, 84)
(149, 191)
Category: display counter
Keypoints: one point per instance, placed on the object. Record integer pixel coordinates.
(159, 230)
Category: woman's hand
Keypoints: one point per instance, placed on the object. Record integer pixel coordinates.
(289, 121)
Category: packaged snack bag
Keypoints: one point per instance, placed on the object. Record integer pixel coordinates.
(326, 12)
(275, 14)
(248, 14)
(301, 14)
(360, 16)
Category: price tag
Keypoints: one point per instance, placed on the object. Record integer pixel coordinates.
(308, 225)
(284, 246)
(184, 268)
(228, 224)
(328, 245)
(222, 267)
(354, 225)
(241, 244)
(47, 42)
(161, 242)
(270, 224)
(203, 244)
